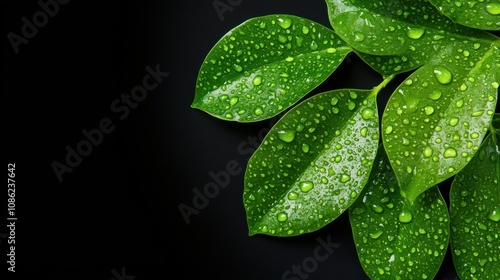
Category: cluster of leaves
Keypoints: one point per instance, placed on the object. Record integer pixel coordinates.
(332, 153)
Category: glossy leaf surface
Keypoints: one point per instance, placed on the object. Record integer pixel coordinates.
(394, 238)
(483, 14)
(265, 65)
(435, 121)
(313, 163)
(475, 214)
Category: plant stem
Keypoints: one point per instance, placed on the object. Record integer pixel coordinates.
(382, 85)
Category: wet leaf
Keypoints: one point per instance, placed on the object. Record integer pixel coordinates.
(435, 121)
(394, 238)
(265, 65)
(411, 32)
(477, 14)
(313, 163)
(475, 214)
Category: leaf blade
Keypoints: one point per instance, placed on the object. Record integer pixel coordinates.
(265, 65)
(394, 238)
(482, 15)
(308, 171)
(475, 214)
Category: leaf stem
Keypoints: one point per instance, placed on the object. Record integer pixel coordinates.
(382, 85)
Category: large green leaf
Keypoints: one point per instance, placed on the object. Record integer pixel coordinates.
(483, 14)
(265, 65)
(435, 121)
(475, 214)
(313, 163)
(432, 125)
(397, 239)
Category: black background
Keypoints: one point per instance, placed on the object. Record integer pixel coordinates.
(118, 210)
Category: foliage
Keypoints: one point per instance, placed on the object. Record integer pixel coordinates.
(332, 153)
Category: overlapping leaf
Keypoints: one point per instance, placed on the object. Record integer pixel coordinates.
(313, 164)
(435, 121)
(265, 65)
(397, 239)
(475, 214)
(483, 14)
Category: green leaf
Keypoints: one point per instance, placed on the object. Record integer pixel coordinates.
(265, 65)
(313, 163)
(394, 238)
(477, 14)
(435, 121)
(475, 214)
(412, 32)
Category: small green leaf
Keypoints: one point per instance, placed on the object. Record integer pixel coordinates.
(265, 65)
(394, 238)
(475, 214)
(310, 167)
(435, 121)
(477, 14)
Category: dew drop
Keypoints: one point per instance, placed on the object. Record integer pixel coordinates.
(351, 106)
(305, 148)
(493, 9)
(435, 95)
(376, 234)
(257, 80)
(305, 30)
(443, 75)
(454, 121)
(415, 32)
(388, 130)
(293, 196)
(331, 50)
(285, 23)
(359, 37)
(345, 178)
(258, 111)
(405, 217)
(428, 152)
(306, 186)
(368, 113)
(495, 214)
(377, 208)
(233, 101)
(282, 217)
(314, 45)
(286, 135)
(238, 68)
(429, 110)
(450, 153)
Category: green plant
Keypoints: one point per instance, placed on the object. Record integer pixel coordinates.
(332, 152)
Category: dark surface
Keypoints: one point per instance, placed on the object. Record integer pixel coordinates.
(118, 209)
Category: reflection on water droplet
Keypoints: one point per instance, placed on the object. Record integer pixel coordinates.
(258, 111)
(345, 178)
(285, 23)
(414, 32)
(435, 95)
(306, 186)
(450, 153)
(388, 130)
(368, 113)
(305, 148)
(359, 37)
(257, 80)
(282, 217)
(293, 196)
(429, 110)
(428, 152)
(495, 214)
(286, 135)
(377, 208)
(405, 217)
(376, 234)
(305, 30)
(493, 8)
(233, 100)
(238, 68)
(443, 75)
